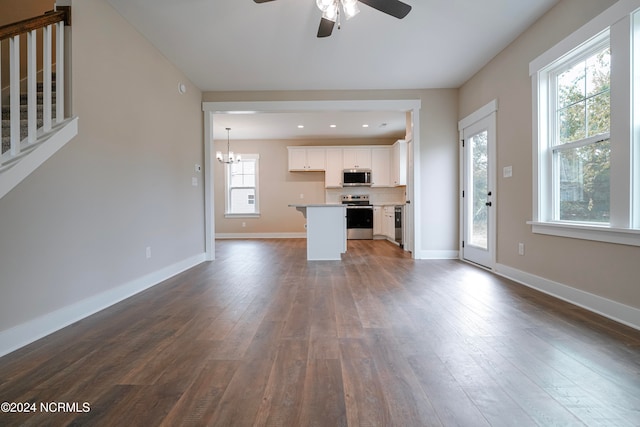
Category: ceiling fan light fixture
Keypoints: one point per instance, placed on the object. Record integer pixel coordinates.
(323, 5)
(350, 8)
(331, 13)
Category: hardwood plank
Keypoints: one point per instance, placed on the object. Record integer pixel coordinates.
(324, 399)
(282, 399)
(199, 403)
(263, 337)
(242, 398)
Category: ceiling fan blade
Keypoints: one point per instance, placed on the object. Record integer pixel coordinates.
(326, 27)
(390, 7)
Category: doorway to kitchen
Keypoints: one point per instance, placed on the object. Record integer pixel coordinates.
(478, 193)
(413, 189)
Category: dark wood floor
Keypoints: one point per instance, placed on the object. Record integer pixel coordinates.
(263, 337)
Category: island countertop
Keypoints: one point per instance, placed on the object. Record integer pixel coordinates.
(326, 230)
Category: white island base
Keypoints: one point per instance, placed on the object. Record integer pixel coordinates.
(326, 231)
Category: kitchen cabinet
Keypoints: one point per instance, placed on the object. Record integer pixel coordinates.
(399, 163)
(381, 166)
(333, 168)
(389, 222)
(377, 221)
(306, 159)
(356, 158)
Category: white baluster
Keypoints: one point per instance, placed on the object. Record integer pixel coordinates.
(32, 100)
(46, 70)
(14, 93)
(60, 72)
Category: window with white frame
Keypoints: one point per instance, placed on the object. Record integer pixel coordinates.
(578, 148)
(241, 181)
(586, 172)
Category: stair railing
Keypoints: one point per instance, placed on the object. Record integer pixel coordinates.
(56, 19)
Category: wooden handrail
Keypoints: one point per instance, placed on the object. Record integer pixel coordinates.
(30, 24)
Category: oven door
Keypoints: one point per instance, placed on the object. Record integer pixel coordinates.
(360, 222)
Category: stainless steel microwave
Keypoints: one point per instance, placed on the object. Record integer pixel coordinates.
(356, 177)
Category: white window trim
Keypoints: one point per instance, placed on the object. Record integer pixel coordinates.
(623, 228)
(256, 214)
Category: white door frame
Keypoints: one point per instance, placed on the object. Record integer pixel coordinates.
(487, 111)
(211, 108)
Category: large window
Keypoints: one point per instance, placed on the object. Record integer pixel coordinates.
(579, 136)
(242, 187)
(586, 172)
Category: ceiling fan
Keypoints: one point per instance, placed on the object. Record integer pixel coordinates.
(331, 11)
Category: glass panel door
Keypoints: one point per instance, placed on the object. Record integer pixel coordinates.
(478, 188)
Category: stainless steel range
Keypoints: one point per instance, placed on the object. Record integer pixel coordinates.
(359, 216)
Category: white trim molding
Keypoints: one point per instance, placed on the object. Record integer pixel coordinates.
(32, 330)
(31, 159)
(223, 236)
(436, 254)
(621, 236)
(621, 313)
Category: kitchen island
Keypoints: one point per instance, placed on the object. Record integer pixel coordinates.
(326, 230)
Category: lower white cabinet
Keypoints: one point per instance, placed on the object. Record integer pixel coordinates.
(384, 222)
(377, 221)
(388, 222)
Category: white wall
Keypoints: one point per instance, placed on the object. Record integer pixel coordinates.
(599, 274)
(77, 229)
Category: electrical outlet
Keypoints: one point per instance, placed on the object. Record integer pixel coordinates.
(520, 249)
(507, 172)
(301, 196)
(244, 224)
(148, 252)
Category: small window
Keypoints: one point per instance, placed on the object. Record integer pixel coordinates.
(242, 187)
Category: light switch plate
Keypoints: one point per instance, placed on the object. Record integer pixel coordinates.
(507, 172)
(194, 181)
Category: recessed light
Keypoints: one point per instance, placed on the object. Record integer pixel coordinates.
(300, 126)
(365, 125)
(333, 126)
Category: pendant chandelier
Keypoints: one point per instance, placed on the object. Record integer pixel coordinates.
(331, 9)
(229, 157)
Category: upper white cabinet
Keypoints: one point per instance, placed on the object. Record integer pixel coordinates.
(356, 158)
(399, 163)
(381, 166)
(388, 163)
(306, 159)
(333, 171)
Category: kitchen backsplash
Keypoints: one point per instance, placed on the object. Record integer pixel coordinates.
(377, 196)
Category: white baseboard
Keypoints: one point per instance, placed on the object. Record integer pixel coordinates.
(28, 332)
(261, 235)
(437, 255)
(613, 310)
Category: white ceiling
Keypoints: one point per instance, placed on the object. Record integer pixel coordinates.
(381, 124)
(231, 45)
